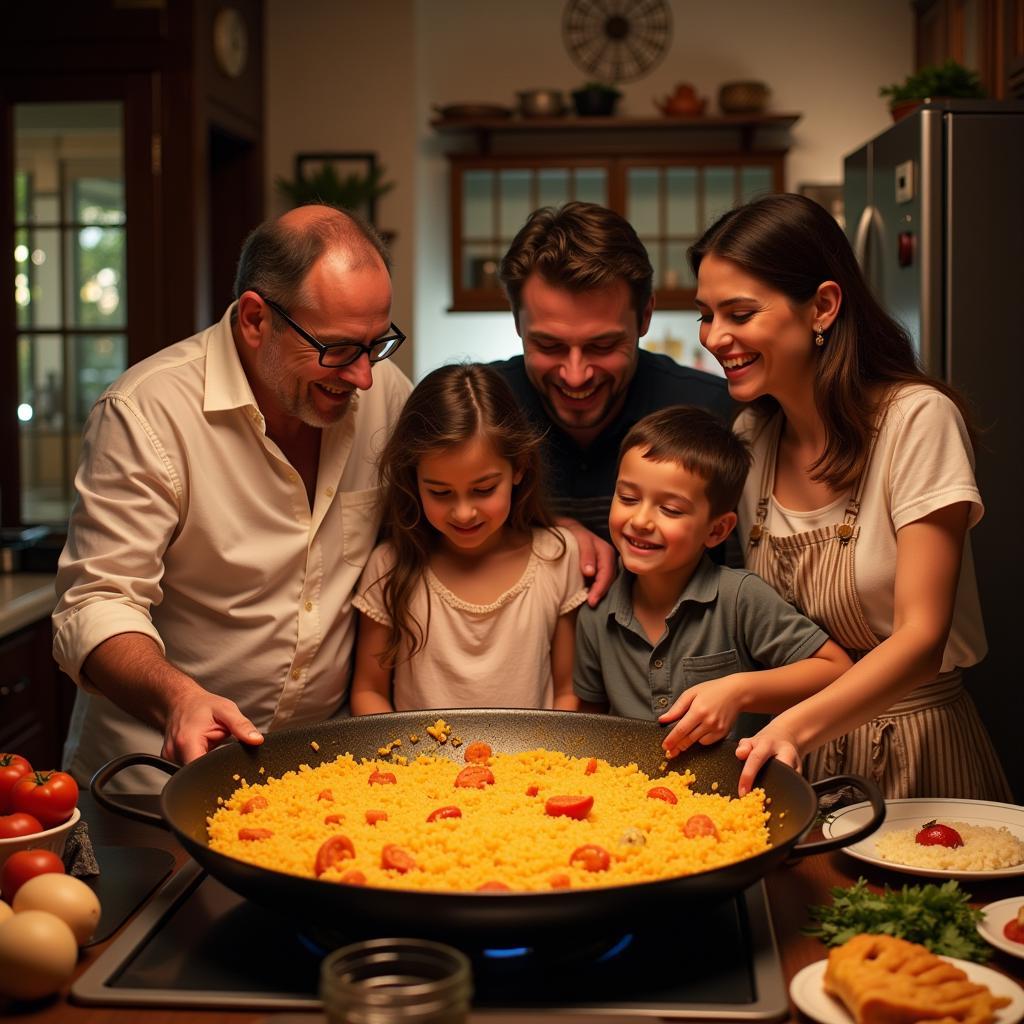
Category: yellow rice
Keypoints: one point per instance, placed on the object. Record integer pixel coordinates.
(503, 834)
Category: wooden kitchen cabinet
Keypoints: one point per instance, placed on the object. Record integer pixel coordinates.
(35, 697)
(669, 178)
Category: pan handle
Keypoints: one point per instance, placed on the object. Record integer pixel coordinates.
(115, 767)
(877, 801)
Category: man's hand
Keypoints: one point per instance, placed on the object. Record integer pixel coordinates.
(706, 713)
(597, 559)
(758, 749)
(201, 722)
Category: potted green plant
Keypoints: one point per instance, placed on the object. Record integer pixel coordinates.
(949, 80)
(596, 99)
(355, 191)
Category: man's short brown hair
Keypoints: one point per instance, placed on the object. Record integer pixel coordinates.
(699, 442)
(580, 247)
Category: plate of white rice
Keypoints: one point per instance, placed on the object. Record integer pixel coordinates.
(993, 835)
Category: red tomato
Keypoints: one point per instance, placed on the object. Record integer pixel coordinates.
(663, 793)
(254, 835)
(1013, 930)
(353, 877)
(577, 807)
(494, 886)
(591, 766)
(477, 752)
(14, 825)
(444, 812)
(395, 858)
(559, 882)
(326, 794)
(26, 864)
(590, 858)
(372, 817)
(48, 796)
(334, 819)
(12, 768)
(938, 835)
(474, 776)
(333, 851)
(256, 803)
(533, 789)
(699, 825)
(382, 778)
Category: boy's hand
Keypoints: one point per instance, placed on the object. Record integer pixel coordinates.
(756, 750)
(706, 712)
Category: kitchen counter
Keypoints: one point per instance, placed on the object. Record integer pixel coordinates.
(791, 890)
(25, 597)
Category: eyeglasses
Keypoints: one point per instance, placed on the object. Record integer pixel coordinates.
(344, 353)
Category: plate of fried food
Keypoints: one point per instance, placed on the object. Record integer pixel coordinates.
(1002, 925)
(966, 839)
(875, 979)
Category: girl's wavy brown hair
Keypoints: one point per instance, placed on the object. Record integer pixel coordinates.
(793, 245)
(448, 407)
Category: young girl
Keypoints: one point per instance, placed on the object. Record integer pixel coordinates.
(471, 600)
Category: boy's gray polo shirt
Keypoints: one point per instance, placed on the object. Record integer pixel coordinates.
(726, 620)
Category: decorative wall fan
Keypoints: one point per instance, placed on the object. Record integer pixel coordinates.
(617, 40)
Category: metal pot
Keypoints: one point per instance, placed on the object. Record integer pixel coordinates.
(190, 796)
(541, 103)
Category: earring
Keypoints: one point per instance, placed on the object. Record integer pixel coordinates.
(819, 338)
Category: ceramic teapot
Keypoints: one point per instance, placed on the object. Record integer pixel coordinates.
(684, 102)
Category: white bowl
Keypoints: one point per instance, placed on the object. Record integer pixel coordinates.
(50, 839)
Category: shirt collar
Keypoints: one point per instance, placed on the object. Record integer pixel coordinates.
(227, 386)
(702, 588)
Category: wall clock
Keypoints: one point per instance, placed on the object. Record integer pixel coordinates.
(617, 40)
(230, 41)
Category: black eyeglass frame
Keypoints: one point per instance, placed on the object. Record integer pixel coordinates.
(357, 347)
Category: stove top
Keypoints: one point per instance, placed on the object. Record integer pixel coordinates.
(198, 944)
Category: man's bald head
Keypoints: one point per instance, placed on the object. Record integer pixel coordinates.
(278, 255)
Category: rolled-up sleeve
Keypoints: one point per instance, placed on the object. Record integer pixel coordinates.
(126, 512)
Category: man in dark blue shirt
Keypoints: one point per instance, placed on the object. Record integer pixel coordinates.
(580, 284)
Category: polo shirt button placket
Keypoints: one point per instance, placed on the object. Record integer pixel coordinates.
(663, 702)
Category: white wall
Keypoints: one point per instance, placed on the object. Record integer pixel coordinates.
(342, 74)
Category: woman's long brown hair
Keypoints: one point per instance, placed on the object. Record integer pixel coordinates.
(448, 407)
(792, 244)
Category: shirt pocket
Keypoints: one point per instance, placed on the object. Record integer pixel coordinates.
(360, 522)
(709, 666)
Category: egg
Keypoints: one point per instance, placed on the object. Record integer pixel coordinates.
(5, 911)
(68, 898)
(38, 954)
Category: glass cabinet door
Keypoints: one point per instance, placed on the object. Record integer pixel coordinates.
(69, 286)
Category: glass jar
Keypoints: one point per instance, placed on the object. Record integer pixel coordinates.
(383, 981)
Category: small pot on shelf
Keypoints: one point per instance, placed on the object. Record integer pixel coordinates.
(743, 97)
(595, 99)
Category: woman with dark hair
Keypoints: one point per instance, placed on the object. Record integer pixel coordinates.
(857, 505)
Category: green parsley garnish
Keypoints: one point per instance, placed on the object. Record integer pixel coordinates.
(937, 917)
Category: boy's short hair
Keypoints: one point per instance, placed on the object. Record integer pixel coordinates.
(700, 443)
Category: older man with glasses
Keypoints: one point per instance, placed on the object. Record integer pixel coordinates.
(226, 505)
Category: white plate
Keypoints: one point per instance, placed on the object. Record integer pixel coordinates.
(903, 814)
(990, 927)
(808, 993)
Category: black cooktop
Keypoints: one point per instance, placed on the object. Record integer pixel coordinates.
(198, 944)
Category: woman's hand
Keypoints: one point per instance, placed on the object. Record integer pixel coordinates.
(758, 749)
(706, 712)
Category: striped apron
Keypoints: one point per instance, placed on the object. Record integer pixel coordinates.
(930, 743)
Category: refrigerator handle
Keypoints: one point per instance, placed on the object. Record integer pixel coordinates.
(860, 239)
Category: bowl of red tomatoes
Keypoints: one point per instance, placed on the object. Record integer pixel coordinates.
(37, 808)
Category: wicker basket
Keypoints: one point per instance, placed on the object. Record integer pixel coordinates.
(743, 97)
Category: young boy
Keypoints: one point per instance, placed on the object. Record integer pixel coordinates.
(678, 637)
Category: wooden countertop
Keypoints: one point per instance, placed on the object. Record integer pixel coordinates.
(791, 890)
(25, 597)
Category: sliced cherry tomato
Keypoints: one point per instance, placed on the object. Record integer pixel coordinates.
(934, 834)
(382, 778)
(26, 864)
(577, 807)
(663, 793)
(256, 803)
(326, 794)
(48, 796)
(699, 825)
(12, 826)
(444, 812)
(474, 776)
(533, 789)
(334, 819)
(591, 766)
(590, 857)
(394, 858)
(477, 752)
(372, 817)
(353, 877)
(333, 851)
(1013, 930)
(253, 835)
(560, 882)
(12, 768)
(494, 886)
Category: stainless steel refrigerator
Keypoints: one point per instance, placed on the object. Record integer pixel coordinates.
(934, 207)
